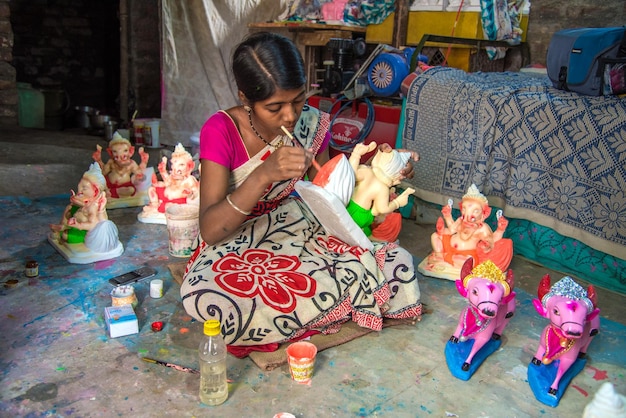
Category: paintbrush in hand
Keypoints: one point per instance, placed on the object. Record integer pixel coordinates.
(314, 162)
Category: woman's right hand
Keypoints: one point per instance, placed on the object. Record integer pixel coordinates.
(286, 163)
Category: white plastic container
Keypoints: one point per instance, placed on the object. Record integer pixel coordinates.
(151, 133)
(212, 353)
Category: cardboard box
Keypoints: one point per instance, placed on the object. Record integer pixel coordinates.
(121, 320)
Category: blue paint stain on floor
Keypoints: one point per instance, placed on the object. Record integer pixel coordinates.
(84, 290)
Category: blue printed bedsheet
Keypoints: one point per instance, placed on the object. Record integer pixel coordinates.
(552, 157)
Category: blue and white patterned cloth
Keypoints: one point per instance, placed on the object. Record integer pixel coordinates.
(548, 156)
(367, 12)
(501, 21)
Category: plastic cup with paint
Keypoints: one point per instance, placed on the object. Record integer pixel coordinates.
(138, 125)
(301, 359)
(182, 227)
(124, 295)
(156, 288)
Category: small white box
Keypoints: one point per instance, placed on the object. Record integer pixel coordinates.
(121, 320)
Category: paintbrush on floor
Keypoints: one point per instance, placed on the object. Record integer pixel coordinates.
(171, 365)
(175, 366)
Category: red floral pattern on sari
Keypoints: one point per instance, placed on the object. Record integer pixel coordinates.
(259, 272)
(336, 245)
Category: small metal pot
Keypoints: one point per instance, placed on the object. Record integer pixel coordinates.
(83, 113)
(109, 129)
(99, 121)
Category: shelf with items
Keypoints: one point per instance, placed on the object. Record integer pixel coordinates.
(452, 5)
(466, 24)
(311, 40)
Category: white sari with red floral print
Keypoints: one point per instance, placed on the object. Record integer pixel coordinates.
(280, 275)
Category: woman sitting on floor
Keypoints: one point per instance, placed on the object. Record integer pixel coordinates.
(265, 266)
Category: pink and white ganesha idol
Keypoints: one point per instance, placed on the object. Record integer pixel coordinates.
(177, 186)
(85, 234)
(456, 240)
(127, 181)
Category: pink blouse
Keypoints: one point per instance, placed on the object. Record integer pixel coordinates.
(221, 142)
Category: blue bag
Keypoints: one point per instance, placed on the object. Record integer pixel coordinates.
(577, 59)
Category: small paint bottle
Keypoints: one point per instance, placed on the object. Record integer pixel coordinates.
(156, 288)
(31, 268)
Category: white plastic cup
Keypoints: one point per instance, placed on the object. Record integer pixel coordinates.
(182, 227)
(151, 131)
(156, 288)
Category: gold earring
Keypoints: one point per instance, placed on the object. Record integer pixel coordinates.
(247, 108)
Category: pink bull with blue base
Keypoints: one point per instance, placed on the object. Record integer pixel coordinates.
(491, 304)
(561, 355)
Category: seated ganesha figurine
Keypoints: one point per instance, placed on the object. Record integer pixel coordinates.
(127, 181)
(85, 234)
(353, 201)
(468, 236)
(371, 205)
(177, 186)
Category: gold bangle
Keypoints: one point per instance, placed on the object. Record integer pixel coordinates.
(230, 202)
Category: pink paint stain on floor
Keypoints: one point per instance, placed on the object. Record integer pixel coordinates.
(581, 390)
(598, 374)
(104, 264)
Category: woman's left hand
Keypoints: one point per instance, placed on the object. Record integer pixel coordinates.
(407, 172)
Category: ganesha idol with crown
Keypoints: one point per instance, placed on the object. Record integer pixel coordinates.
(127, 181)
(85, 234)
(177, 186)
(468, 236)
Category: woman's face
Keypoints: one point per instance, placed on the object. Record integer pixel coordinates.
(283, 108)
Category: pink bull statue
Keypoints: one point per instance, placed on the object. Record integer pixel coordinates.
(491, 304)
(574, 321)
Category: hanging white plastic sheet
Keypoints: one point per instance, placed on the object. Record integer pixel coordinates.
(198, 39)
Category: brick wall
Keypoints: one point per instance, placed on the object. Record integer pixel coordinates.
(74, 46)
(8, 89)
(68, 45)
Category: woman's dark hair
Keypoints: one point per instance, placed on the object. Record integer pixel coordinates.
(264, 61)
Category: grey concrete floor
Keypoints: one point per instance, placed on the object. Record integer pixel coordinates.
(57, 360)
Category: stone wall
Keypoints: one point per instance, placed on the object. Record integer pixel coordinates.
(549, 16)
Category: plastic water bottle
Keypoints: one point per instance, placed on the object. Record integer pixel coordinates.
(212, 350)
